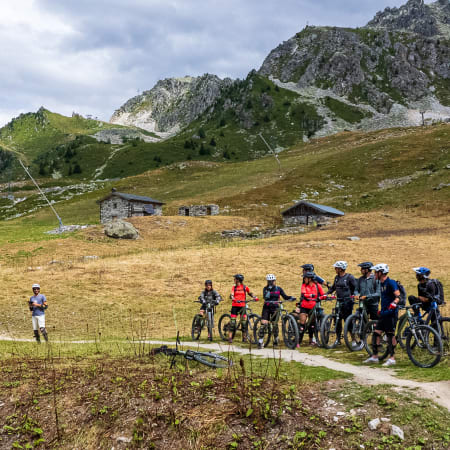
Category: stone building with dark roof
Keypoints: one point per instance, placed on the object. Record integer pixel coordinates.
(305, 213)
(118, 205)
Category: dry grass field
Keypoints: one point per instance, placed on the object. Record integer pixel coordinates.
(146, 288)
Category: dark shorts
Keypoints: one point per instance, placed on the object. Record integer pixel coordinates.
(237, 310)
(346, 308)
(305, 310)
(387, 324)
(268, 311)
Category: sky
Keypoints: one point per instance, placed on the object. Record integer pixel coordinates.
(90, 56)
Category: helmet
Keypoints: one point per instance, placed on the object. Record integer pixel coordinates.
(340, 265)
(35, 285)
(366, 265)
(422, 271)
(309, 274)
(383, 268)
(271, 277)
(308, 267)
(239, 277)
(208, 282)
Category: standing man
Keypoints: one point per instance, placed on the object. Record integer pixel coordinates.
(390, 298)
(344, 284)
(426, 293)
(38, 305)
(368, 289)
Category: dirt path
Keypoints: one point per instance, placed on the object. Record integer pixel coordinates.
(438, 391)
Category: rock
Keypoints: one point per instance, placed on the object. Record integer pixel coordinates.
(119, 229)
(124, 439)
(397, 431)
(373, 424)
(447, 166)
(90, 257)
(354, 238)
(385, 419)
(340, 413)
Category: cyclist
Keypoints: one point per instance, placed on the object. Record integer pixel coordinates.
(344, 284)
(368, 289)
(311, 292)
(208, 295)
(38, 305)
(271, 295)
(238, 296)
(387, 322)
(317, 279)
(425, 290)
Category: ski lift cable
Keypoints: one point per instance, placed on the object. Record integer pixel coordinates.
(270, 149)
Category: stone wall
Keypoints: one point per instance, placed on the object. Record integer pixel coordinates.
(199, 210)
(306, 220)
(137, 209)
(118, 208)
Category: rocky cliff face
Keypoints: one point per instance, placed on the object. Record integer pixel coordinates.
(171, 104)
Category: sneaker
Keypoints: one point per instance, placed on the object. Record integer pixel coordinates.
(389, 362)
(298, 345)
(370, 360)
(337, 342)
(313, 344)
(356, 346)
(230, 341)
(260, 345)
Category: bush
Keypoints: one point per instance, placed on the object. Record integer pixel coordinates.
(201, 133)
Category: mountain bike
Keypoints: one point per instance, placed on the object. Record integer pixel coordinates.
(329, 326)
(225, 326)
(289, 327)
(354, 327)
(200, 321)
(206, 358)
(423, 343)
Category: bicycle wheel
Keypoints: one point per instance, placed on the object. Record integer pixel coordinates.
(424, 346)
(196, 327)
(328, 331)
(368, 337)
(213, 360)
(252, 318)
(445, 335)
(290, 332)
(225, 327)
(210, 325)
(317, 335)
(267, 332)
(354, 332)
(402, 331)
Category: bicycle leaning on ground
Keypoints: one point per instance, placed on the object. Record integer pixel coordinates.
(423, 343)
(200, 321)
(225, 325)
(289, 327)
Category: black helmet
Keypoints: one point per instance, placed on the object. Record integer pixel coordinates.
(208, 282)
(366, 265)
(309, 274)
(239, 277)
(308, 267)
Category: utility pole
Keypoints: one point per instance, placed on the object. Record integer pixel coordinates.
(270, 149)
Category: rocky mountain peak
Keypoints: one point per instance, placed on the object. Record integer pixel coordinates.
(416, 16)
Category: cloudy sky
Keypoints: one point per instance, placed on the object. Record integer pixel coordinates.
(90, 56)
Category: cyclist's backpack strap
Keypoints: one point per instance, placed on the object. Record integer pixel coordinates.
(438, 291)
(402, 290)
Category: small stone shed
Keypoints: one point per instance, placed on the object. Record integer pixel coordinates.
(305, 213)
(118, 205)
(198, 210)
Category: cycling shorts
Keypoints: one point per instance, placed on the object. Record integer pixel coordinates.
(268, 311)
(237, 310)
(387, 323)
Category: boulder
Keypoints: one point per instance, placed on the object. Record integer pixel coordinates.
(119, 229)
(397, 431)
(373, 424)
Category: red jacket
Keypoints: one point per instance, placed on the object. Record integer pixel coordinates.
(239, 293)
(310, 295)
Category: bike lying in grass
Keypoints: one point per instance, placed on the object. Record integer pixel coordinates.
(423, 343)
(206, 358)
(289, 328)
(199, 321)
(247, 334)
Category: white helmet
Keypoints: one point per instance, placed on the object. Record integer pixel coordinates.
(271, 277)
(35, 285)
(383, 268)
(340, 264)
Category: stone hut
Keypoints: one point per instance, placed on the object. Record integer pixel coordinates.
(118, 205)
(198, 210)
(305, 213)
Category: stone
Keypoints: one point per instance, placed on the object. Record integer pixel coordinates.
(385, 419)
(119, 229)
(124, 439)
(397, 431)
(373, 424)
(88, 257)
(354, 238)
(340, 413)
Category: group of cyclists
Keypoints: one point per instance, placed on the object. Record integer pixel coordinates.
(380, 295)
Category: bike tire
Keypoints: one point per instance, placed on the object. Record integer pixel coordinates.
(383, 349)
(224, 326)
(210, 326)
(213, 360)
(424, 346)
(402, 331)
(252, 318)
(352, 323)
(196, 329)
(445, 335)
(317, 335)
(328, 331)
(267, 332)
(290, 331)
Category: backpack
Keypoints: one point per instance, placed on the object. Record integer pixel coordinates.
(402, 290)
(438, 291)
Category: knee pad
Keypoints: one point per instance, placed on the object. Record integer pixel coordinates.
(262, 330)
(244, 324)
(233, 324)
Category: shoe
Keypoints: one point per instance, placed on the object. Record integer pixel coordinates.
(230, 341)
(260, 345)
(337, 342)
(298, 345)
(356, 346)
(370, 360)
(313, 344)
(275, 342)
(244, 338)
(389, 362)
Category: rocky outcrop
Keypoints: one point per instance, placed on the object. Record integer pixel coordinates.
(119, 229)
(171, 104)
